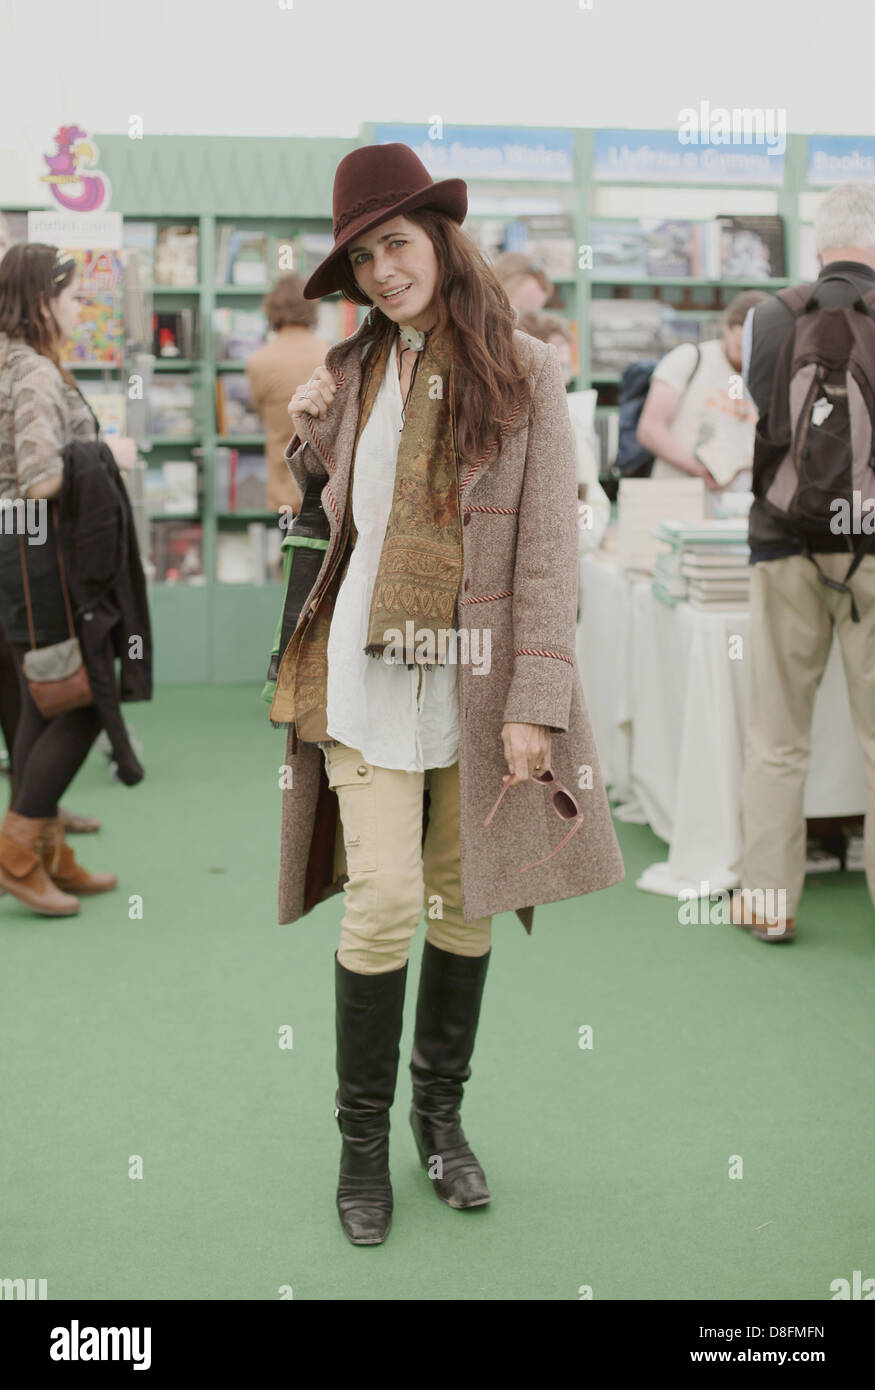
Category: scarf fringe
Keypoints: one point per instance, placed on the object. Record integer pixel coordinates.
(374, 650)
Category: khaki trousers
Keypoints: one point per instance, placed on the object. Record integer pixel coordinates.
(791, 625)
(392, 875)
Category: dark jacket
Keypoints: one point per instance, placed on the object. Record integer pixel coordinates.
(769, 536)
(107, 589)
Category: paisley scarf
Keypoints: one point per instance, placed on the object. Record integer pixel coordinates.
(413, 607)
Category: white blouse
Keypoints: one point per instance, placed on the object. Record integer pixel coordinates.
(397, 717)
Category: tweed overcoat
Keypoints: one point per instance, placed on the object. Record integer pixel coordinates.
(520, 581)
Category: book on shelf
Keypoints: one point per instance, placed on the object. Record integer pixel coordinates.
(172, 488)
(174, 334)
(108, 401)
(171, 405)
(547, 238)
(239, 480)
(238, 333)
(638, 249)
(177, 551)
(751, 248)
(250, 554)
(309, 249)
(176, 256)
(98, 337)
(623, 331)
(139, 243)
(242, 257)
(336, 319)
(721, 248)
(235, 413)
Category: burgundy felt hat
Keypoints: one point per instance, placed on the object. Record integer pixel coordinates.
(373, 184)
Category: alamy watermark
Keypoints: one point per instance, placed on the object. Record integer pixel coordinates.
(26, 517)
(742, 125)
(698, 906)
(466, 646)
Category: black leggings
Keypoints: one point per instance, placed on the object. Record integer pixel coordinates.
(46, 753)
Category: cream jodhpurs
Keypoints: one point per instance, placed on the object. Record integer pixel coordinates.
(392, 875)
(792, 615)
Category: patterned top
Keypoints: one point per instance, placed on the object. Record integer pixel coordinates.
(39, 415)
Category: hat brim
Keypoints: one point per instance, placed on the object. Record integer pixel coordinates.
(448, 195)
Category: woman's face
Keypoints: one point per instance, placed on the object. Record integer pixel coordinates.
(65, 307)
(396, 266)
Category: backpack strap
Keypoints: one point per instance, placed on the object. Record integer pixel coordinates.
(840, 585)
(795, 298)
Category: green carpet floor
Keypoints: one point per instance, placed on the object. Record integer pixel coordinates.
(157, 1038)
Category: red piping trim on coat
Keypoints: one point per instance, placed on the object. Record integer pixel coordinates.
(539, 651)
(487, 598)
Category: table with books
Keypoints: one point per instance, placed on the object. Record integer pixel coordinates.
(662, 665)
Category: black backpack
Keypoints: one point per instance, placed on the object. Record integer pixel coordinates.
(816, 445)
(633, 460)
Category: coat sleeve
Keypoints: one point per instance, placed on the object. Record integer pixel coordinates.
(545, 576)
(303, 461)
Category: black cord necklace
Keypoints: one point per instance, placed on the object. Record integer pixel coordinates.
(419, 351)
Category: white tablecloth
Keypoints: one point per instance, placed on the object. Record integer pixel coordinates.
(667, 704)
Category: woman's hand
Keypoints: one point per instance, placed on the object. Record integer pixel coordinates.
(711, 483)
(526, 747)
(124, 450)
(313, 398)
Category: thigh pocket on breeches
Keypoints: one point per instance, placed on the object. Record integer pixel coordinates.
(353, 781)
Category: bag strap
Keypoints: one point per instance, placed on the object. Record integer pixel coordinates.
(22, 547)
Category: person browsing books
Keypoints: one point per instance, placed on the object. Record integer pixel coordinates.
(292, 354)
(698, 419)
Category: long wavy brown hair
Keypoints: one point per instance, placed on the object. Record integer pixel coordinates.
(26, 283)
(493, 392)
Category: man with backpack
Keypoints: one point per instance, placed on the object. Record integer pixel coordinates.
(694, 405)
(809, 363)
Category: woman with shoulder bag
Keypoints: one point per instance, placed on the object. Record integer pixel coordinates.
(41, 411)
(434, 654)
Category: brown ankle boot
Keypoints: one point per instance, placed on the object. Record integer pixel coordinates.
(61, 866)
(22, 872)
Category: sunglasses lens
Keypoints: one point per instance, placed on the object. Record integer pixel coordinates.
(564, 805)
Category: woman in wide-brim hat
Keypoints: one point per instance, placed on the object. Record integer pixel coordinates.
(435, 389)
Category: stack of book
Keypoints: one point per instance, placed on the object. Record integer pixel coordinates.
(725, 248)
(242, 257)
(239, 480)
(238, 332)
(250, 556)
(707, 564)
(172, 489)
(642, 504)
(176, 256)
(172, 405)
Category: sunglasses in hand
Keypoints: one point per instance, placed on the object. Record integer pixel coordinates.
(564, 805)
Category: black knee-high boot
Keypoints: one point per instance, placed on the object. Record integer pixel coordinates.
(447, 1011)
(370, 1015)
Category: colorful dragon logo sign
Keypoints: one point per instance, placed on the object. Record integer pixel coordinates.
(71, 186)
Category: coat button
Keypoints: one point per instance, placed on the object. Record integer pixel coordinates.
(467, 585)
(362, 770)
(466, 519)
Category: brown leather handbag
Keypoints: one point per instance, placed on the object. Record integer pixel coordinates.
(56, 676)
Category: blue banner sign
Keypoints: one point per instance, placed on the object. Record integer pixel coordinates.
(841, 159)
(486, 152)
(700, 155)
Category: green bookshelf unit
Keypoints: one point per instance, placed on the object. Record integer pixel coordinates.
(280, 190)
